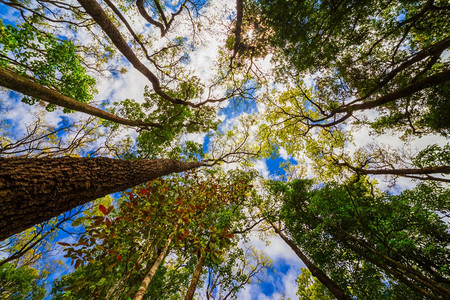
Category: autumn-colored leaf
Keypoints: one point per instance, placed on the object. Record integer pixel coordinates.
(108, 222)
(77, 264)
(98, 222)
(118, 219)
(103, 209)
(64, 244)
(110, 209)
(119, 258)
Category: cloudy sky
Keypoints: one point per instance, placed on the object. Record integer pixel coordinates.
(286, 265)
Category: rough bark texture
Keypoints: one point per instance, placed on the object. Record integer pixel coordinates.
(23, 85)
(34, 190)
(316, 272)
(148, 278)
(195, 277)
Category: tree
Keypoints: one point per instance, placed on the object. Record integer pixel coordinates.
(122, 253)
(372, 242)
(20, 283)
(379, 65)
(37, 189)
(42, 66)
(392, 62)
(311, 288)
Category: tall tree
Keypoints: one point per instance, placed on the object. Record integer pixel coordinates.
(378, 245)
(35, 190)
(370, 54)
(124, 252)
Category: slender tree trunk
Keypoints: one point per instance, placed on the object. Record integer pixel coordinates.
(13, 81)
(148, 278)
(418, 171)
(195, 277)
(410, 89)
(316, 272)
(34, 190)
(409, 272)
(398, 274)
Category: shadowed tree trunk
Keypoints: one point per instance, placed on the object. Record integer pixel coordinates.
(316, 272)
(34, 190)
(13, 81)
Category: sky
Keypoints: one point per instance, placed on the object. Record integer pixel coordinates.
(280, 279)
(286, 265)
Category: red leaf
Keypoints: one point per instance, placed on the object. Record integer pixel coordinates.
(98, 222)
(228, 235)
(110, 208)
(119, 258)
(102, 209)
(77, 264)
(118, 219)
(113, 234)
(63, 244)
(108, 222)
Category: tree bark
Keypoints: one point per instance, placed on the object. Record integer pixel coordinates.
(34, 190)
(410, 272)
(97, 13)
(430, 81)
(398, 274)
(13, 81)
(148, 278)
(316, 272)
(195, 277)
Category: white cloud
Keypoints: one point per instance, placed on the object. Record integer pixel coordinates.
(261, 167)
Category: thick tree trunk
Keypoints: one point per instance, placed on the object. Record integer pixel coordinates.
(195, 277)
(13, 81)
(316, 272)
(148, 278)
(34, 190)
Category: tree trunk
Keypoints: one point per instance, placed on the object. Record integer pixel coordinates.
(34, 190)
(316, 272)
(410, 272)
(195, 277)
(13, 81)
(148, 278)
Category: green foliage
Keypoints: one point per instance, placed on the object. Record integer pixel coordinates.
(21, 283)
(310, 288)
(175, 119)
(51, 62)
(357, 234)
(433, 156)
(362, 50)
(120, 243)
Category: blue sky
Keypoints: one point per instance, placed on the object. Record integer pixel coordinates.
(286, 266)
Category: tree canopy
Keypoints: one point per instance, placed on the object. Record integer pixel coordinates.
(140, 138)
